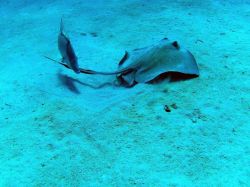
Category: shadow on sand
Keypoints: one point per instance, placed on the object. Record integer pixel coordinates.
(71, 83)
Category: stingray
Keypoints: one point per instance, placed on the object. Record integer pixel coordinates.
(150, 62)
(139, 65)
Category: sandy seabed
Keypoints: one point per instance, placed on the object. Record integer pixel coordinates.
(58, 128)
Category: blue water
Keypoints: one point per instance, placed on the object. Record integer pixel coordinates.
(59, 128)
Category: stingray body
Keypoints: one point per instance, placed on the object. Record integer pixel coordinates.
(67, 52)
(150, 62)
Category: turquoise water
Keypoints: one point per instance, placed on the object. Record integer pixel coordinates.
(59, 128)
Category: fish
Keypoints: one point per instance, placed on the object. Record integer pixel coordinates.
(66, 50)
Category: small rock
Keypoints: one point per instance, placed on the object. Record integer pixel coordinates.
(199, 41)
(6, 104)
(94, 34)
(167, 109)
(165, 90)
(83, 34)
(174, 106)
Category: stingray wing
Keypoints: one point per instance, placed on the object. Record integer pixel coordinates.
(177, 61)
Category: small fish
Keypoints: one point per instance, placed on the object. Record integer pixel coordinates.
(68, 54)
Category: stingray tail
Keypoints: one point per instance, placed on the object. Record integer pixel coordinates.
(65, 65)
(87, 71)
(52, 59)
